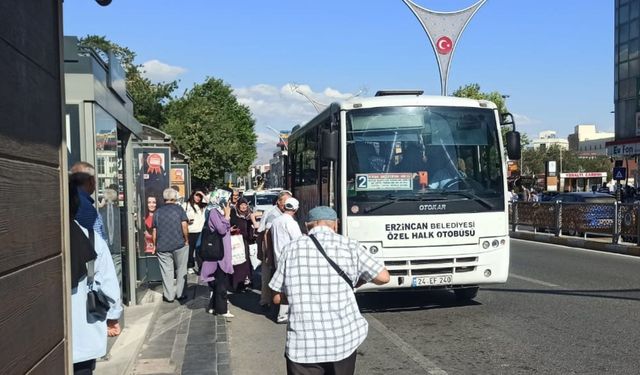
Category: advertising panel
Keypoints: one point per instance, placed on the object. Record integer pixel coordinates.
(180, 180)
(153, 175)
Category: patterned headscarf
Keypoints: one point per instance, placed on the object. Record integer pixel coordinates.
(216, 197)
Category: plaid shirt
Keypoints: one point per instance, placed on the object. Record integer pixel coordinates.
(325, 324)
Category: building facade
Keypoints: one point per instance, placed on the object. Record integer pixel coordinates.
(627, 69)
(626, 145)
(587, 141)
(547, 139)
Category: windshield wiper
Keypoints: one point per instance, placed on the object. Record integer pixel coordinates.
(470, 195)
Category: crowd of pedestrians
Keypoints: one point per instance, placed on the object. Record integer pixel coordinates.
(307, 269)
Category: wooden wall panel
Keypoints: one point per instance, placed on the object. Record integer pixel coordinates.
(30, 214)
(30, 109)
(31, 27)
(52, 364)
(31, 315)
(32, 299)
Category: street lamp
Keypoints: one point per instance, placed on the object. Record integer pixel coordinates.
(284, 155)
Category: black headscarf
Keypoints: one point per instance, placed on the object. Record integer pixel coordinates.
(82, 250)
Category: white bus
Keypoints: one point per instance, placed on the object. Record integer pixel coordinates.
(418, 180)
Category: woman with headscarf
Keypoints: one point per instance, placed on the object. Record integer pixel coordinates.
(216, 273)
(242, 222)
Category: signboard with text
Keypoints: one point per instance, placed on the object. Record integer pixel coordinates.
(384, 181)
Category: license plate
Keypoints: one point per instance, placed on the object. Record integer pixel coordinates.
(432, 280)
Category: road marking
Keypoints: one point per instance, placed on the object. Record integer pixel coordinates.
(568, 247)
(407, 349)
(535, 281)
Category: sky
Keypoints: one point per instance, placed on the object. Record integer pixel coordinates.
(554, 59)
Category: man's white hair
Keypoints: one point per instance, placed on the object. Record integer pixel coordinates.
(170, 194)
(83, 167)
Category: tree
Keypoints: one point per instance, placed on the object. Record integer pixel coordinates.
(472, 91)
(149, 98)
(208, 124)
(534, 161)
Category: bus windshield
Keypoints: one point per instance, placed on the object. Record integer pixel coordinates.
(420, 154)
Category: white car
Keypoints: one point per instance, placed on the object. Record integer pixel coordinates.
(261, 201)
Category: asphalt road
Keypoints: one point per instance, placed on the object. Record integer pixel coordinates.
(563, 311)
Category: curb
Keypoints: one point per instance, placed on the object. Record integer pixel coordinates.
(577, 242)
(132, 361)
(125, 349)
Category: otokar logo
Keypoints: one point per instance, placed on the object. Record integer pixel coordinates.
(432, 207)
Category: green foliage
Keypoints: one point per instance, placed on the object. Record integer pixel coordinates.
(208, 124)
(534, 160)
(149, 98)
(472, 91)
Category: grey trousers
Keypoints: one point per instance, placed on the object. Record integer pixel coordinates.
(171, 261)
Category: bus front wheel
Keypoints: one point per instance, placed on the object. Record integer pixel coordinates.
(466, 294)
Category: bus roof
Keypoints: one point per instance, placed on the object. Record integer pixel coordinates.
(396, 101)
(413, 100)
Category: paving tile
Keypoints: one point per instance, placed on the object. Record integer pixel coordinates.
(224, 369)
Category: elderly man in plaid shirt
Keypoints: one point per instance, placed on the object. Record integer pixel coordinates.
(325, 324)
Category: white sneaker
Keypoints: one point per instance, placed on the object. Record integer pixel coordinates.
(191, 271)
(210, 311)
(228, 315)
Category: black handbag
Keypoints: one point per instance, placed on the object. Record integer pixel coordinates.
(97, 303)
(211, 246)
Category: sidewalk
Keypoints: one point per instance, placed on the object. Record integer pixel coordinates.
(592, 243)
(170, 338)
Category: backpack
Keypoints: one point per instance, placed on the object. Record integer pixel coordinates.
(211, 246)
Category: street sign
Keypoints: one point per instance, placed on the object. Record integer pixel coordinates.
(619, 173)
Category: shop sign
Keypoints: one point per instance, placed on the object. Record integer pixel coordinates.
(624, 150)
(583, 174)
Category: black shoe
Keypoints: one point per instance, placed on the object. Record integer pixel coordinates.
(183, 298)
(167, 300)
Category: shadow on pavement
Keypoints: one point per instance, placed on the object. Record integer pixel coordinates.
(250, 301)
(394, 301)
(602, 293)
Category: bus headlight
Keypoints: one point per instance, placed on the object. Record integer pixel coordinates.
(485, 245)
(373, 249)
(495, 243)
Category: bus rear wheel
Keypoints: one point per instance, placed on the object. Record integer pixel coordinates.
(466, 294)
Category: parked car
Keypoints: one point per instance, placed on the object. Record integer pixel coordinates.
(594, 215)
(585, 197)
(261, 201)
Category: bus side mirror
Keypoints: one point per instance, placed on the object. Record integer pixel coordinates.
(513, 145)
(330, 145)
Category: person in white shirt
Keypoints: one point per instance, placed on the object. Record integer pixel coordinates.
(264, 245)
(284, 230)
(194, 207)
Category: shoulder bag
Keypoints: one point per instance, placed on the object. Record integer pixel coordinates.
(331, 262)
(97, 303)
(211, 246)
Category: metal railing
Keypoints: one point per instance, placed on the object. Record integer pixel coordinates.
(617, 220)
